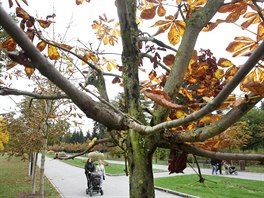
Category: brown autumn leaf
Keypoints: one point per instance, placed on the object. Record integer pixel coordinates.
(169, 60)
(161, 98)
(161, 10)
(212, 25)
(254, 82)
(10, 2)
(20, 12)
(116, 80)
(253, 18)
(260, 35)
(231, 72)
(9, 44)
(223, 62)
(177, 161)
(44, 23)
(53, 53)
(78, 2)
(240, 45)
(41, 45)
(148, 13)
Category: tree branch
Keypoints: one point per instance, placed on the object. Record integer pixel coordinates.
(158, 42)
(204, 133)
(218, 155)
(90, 147)
(8, 91)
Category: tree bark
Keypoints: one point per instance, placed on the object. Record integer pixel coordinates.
(140, 152)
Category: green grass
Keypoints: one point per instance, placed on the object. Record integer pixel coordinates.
(14, 179)
(214, 186)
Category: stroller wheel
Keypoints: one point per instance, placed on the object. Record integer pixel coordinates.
(91, 193)
(87, 191)
(102, 192)
(235, 173)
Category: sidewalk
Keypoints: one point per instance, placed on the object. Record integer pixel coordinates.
(70, 181)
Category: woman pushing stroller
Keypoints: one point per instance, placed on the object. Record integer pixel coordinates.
(89, 169)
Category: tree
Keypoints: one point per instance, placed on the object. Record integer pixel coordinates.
(4, 135)
(254, 118)
(187, 87)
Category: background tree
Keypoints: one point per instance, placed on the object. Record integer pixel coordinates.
(254, 119)
(4, 134)
(188, 86)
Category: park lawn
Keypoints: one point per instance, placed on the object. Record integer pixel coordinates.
(214, 186)
(14, 179)
(112, 169)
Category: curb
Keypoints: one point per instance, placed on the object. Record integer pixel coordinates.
(174, 192)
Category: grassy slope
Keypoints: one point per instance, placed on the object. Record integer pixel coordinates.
(214, 186)
(14, 179)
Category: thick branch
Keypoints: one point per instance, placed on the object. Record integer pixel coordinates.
(8, 91)
(218, 155)
(204, 133)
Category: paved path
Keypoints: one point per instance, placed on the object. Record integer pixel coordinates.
(70, 181)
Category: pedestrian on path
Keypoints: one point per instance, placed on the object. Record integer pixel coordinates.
(101, 170)
(214, 166)
(89, 168)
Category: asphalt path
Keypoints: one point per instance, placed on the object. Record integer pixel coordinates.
(70, 181)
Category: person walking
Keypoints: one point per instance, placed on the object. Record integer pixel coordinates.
(89, 168)
(214, 163)
(219, 164)
(100, 169)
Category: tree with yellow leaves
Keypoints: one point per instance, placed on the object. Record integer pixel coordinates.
(4, 135)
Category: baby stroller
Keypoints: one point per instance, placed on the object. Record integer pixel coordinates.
(230, 169)
(94, 184)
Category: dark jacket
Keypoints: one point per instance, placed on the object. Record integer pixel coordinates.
(89, 168)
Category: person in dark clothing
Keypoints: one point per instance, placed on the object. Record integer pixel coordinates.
(219, 164)
(214, 166)
(89, 168)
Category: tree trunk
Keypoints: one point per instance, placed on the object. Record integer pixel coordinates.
(42, 167)
(140, 152)
(34, 171)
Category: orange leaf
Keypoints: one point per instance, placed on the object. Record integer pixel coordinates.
(260, 35)
(173, 35)
(222, 62)
(231, 72)
(9, 44)
(53, 53)
(22, 13)
(162, 29)
(161, 10)
(41, 45)
(148, 13)
(29, 71)
(44, 23)
(161, 98)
